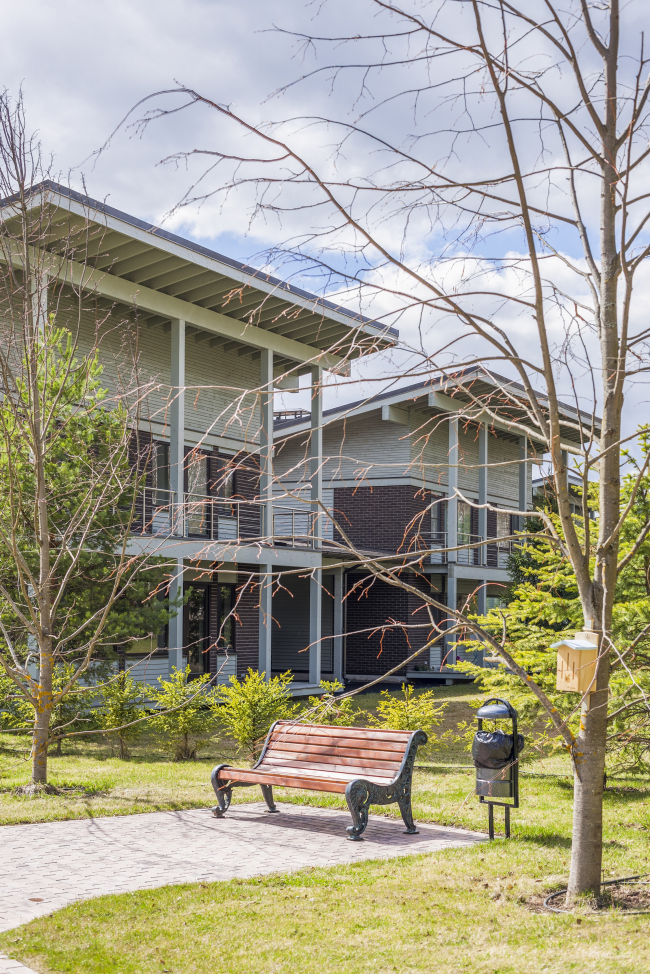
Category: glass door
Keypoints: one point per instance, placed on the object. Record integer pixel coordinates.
(196, 627)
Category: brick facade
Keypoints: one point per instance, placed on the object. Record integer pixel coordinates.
(372, 603)
(382, 518)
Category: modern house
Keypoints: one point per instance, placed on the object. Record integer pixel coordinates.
(254, 520)
(439, 467)
(209, 339)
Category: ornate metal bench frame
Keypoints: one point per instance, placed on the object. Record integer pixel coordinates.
(360, 793)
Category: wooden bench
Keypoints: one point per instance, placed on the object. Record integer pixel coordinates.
(369, 767)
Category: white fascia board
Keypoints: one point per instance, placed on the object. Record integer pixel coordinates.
(210, 263)
(214, 551)
(393, 414)
(117, 289)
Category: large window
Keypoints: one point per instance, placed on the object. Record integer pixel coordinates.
(226, 621)
(196, 626)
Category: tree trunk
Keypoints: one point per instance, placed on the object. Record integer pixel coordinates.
(39, 745)
(588, 786)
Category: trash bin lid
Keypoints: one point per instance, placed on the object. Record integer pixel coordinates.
(493, 711)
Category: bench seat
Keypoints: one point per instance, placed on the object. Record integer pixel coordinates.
(369, 767)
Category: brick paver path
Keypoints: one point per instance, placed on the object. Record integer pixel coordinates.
(46, 866)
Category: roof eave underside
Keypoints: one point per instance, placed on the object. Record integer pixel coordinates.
(482, 387)
(147, 258)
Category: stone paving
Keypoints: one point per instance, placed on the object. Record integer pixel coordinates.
(45, 866)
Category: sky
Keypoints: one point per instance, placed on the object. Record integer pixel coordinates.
(84, 65)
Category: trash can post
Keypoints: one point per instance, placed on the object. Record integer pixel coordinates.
(496, 759)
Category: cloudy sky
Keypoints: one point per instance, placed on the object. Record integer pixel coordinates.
(84, 64)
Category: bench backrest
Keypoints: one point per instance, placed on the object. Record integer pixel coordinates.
(348, 752)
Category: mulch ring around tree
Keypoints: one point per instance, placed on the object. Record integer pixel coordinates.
(626, 896)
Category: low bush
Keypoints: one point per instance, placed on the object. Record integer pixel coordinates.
(122, 704)
(187, 718)
(247, 708)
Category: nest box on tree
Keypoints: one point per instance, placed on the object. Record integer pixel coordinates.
(577, 659)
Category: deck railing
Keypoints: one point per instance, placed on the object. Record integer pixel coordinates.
(219, 519)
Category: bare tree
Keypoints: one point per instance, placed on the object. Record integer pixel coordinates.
(509, 140)
(68, 481)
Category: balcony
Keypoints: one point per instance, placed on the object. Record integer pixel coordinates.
(217, 519)
(469, 550)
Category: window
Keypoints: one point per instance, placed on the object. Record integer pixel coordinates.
(196, 627)
(160, 472)
(226, 620)
(197, 474)
(464, 518)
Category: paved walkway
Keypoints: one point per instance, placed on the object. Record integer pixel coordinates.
(43, 867)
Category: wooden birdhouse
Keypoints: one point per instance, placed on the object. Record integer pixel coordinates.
(576, 662)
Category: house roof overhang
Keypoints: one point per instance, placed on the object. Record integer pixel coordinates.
(126, 261)
(473, 394)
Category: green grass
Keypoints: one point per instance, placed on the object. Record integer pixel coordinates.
(93, 783)
(476, 909)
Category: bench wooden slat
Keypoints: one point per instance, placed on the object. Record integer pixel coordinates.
(276, 756)
(289, 781)
(394, 757)
(355, 770)
(317, 740)
(348, 733)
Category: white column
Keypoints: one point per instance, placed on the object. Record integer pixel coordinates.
(523, 479)
(482, 487)
(175, 640)
(338, 626)
(450, 641)
(177, 418)
(316, 451)
(315, 626)
(39, 285)
(265, 620)
(452, 502)
(266, 444)
(316, 477)
(452, 532)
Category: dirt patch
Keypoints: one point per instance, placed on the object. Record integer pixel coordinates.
(624, 897)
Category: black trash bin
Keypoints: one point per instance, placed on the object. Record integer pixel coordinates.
(496, 759)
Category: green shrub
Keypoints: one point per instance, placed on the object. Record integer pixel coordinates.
(409, 711)
(247, 708)
(330, 709)
(122, 703)
(189, 722)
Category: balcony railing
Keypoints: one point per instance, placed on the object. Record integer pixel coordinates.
(219, 519)
(469, 550)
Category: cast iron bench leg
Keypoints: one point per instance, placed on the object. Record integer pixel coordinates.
(267, 792)
(357, 795)
(407, 816)
(223, 793)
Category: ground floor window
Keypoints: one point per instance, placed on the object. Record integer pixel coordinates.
(224, 601)
(196, 627)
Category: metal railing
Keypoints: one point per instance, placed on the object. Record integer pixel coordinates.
(293, 528)
(219, 519)
(469, 551)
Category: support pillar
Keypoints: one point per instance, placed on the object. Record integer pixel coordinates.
(452, 533)
(266, 445)
(177, 423)
(483, 488)
(316, 452)
(338, 626)
(523, 479)
(39, 286)
(175, 627)
(265, 620)
(452, 600)
(316, 477)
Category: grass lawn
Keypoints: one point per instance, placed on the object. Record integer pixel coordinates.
(475, 909)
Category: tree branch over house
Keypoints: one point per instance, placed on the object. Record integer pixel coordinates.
(501, 220)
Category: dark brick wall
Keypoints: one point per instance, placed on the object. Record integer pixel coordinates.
(370, 604)
(382, 518)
